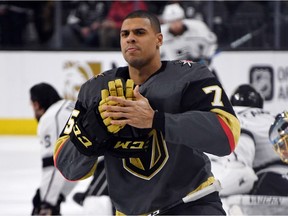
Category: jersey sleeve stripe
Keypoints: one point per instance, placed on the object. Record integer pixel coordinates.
(230, 125)
(59, 144)
(58, 147)
(228, 134)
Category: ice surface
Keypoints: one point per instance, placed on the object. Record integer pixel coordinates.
(20, 170)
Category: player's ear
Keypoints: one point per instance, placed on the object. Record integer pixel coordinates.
(159, 38)
(35, 105)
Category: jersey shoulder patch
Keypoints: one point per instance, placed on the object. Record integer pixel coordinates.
(184, 62)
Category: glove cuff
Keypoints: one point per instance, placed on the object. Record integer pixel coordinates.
(90, 135)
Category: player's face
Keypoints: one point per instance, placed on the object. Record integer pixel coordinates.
(176, 26)
(139, 42)
(281, 147)
(38, 111)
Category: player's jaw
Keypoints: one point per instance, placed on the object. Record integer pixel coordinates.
(132, 54)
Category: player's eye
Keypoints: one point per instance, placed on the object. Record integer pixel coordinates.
(139, 32)
(124, 33)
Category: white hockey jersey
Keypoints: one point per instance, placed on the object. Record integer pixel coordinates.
(253, 152)
(197, 41)
(255, 148)
(49, 127)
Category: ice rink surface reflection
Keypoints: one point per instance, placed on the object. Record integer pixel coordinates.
(20, 170)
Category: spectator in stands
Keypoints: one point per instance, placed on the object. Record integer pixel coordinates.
(83, 24)
(25, 23)
(110, 27)
(44, 20)
(14, 17)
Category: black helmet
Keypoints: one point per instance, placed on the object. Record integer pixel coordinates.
(246, 95)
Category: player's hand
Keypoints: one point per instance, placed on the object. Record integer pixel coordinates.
(116, 89)
(46, 209)
(137, 113)
(45, 212)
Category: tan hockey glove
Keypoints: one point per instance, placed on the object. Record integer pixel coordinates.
(115, 88)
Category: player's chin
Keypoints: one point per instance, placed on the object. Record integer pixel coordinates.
(134, 61)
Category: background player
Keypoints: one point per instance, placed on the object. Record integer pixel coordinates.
(52, 113)
(254, 143)
(189, 39)
(278, 134)
(254, 150)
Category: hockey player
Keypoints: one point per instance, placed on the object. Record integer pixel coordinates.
(278, 134)
(153, 136)
(186, 38)
(254, 147)
(52, 113)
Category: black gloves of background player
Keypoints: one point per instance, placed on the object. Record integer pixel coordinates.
(44, 208)
(92, 133)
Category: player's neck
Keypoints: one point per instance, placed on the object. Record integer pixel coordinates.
(139, 76)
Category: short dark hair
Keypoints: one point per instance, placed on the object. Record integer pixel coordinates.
(44, 94)
(155, 23)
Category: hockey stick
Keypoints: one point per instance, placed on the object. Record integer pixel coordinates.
(215, 186)
(247, 37)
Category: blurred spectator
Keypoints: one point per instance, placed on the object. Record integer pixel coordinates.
(14, 17)
(110, 28)
(30, 24)
(17, 16)
(43, 19)
(83, 23)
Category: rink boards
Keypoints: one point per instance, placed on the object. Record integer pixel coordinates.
(19, 70)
